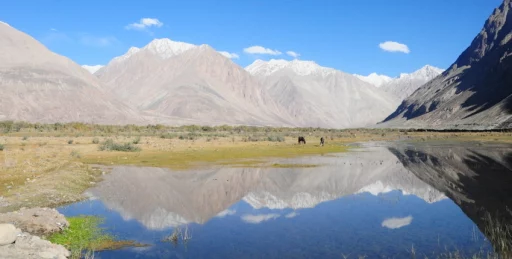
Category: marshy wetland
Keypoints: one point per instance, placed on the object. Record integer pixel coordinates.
(231, 192)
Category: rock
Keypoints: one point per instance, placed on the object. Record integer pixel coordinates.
(36, 221)
(8, 234)
(33, 247)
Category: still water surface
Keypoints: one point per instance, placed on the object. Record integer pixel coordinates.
(382, 201)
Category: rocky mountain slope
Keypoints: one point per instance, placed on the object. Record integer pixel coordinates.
(322, 97)
(190, 82)
(38, 85)
(475, 92)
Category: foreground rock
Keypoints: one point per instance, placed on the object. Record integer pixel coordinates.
(17, 230)
(18, 245)
(36, 221)
(8, 234)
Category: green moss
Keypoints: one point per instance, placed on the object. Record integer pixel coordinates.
(84, 234)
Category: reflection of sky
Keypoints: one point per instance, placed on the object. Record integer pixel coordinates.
(349, 225)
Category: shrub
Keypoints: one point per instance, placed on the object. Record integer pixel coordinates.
(70, 141)
(110, 145)
(2, 147)
(168, 136)
(276, 138)
(24, 138)
(75, 154)
(136, 141)
(95, 141)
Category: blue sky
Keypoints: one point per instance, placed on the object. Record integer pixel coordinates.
(344, 34)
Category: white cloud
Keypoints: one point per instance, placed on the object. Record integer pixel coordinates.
(394, 223)
(224, 213)
(229, 55)
(261, 50)
(256, 219)
(292, 54)
(392, 46)
(53, 29)
(291, 215)
(144, 23)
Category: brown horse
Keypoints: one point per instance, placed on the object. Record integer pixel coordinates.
(302, 140)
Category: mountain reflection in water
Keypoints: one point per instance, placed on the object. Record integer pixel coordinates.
(379, 201)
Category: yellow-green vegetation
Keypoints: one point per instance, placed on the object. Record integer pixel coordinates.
(177, 156)
(85, 234)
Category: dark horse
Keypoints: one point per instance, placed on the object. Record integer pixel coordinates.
(302, 140)
(321, 141)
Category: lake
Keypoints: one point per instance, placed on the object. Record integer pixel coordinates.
(381, 200)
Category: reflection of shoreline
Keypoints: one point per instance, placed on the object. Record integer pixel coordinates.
(159, 198)
(478, 179)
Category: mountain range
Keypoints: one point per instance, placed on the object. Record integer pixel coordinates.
(176, 83)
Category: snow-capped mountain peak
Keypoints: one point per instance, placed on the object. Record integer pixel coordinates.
(300, 67)
(127, 55)
(375, 79)
(92, 69)
(427, 72)
(406, 84)
(167, 48)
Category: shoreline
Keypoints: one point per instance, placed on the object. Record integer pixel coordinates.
(49, 171)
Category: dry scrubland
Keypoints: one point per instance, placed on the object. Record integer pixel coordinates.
(52, 164)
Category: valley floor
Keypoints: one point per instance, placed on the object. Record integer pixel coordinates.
(55, 168)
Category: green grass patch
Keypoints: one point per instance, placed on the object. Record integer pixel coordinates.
(85, 234)
(227, 155)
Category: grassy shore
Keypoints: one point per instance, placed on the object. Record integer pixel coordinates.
(50, 165)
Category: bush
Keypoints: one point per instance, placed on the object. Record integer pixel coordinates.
(95, 141)
(136, 141)
(70, 141)
(276, 138)
(24, 138)
(110, 145)
(168, 136)
(2, 147)
(75, 154)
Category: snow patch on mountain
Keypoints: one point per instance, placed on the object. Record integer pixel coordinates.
(375, 79)
(300, 67)
(428, 194)
(406, 84)
(92, 69)
(300, 200)
(167, 48)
